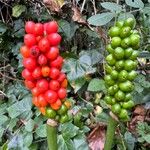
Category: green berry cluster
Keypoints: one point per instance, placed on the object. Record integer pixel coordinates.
(120, 66)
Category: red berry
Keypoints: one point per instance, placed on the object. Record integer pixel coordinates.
(42, 60)
(37, 73)
(54, 85)
(52, 53)
(35, 91)
(54, 73)
(45, 71)
(51, 27)
(29, 27)
(38, 38)
(51, 96)
(54, 39)
(29, 40)
(42, 101)
(61, 77)
(29, 84)
(44, 44)
(42, 85)
(25, 51)
(38, 29)
(26, 74)
(34, 51)
(29, 63)
(62, 93)
(35, 101)
(57, 63)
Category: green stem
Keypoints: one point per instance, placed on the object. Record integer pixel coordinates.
(111, 128)
(52, 135)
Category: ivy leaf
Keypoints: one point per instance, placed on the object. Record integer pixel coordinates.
(3, 28)
(41, 130)
(68, 130)
(3, 119)
(18, 10)
(65, 144)
(67, 28)
(135, 3)
(20, 107)
(29, 125)
(101, 19)
(130, 140)
(147, 138)
(112, 6)
(124, 16)
(1, 132)
(27, 138)
(96, 85)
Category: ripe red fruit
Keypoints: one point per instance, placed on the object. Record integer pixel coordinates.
(54, 73)
(26, 74)
(57, 63)
(35, 91)
(45, 71)
(29, 63)
(61, 77)
(44, 44)
(62, 93)
(37, 74)
(51, 27)
(42, 60)
(38, 29)
(54, 39)
(29, 40)
(51, 96)
(25, 51)
(35, 101)
(42, 85)
(54, 85)
(41, 100)
(52, 53)
(56, 105)
(29, 27)
(34, 51)
(38, 38)
(29, 84)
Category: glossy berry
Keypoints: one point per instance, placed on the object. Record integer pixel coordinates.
(38, 29)
(25, 51)
(34, 51)
(54, 73)
(51, 27)
(42, 60)
(62, 93)
(52, 53)
(29, 63)
(54, 85)
(44, 45)
(42, 85)
(54, 39)
(26, 74)
(37, 74)
(29, 27)
(42, 101)
(29, 84)
(57, 63)
(51, 96)
(29, 40)
(45, 71)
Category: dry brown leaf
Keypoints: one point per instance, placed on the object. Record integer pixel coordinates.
(77, 16)
(140, 110)
(96, 138)
(54, 5)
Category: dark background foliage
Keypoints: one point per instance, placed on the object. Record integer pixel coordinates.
(83, 25)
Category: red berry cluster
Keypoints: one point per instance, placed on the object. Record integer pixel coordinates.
(42, 65)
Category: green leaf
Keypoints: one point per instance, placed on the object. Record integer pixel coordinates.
(147, 138)
(16, 142)
(124, 16)
(41, 130)
(102, 117)
(29, 125)
(1, 132)
(3, 119)
(67, 28)
(65, 144)
(130, 140)
(27, 139)
(68, 130)
(3, 28)
(77, 84)
(96, 85)
(17, 10)
(101, 19)
(20, 107)
(12, 123)
(80, 143)
(135, 3)
(112, 6)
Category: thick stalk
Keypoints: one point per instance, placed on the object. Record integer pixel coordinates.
(111, 128)
(52, 134)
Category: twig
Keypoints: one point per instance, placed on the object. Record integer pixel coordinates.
(95, 11)
(117, 1)
(3, 75)
(2, 15)
(3, 93)
(83, 4)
